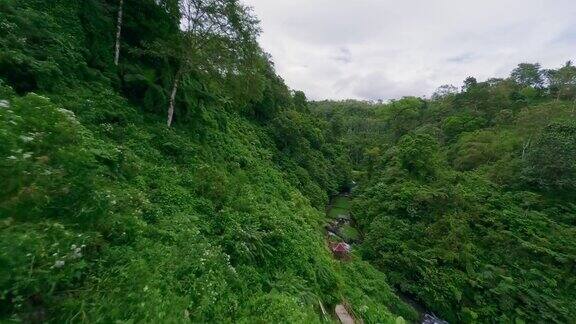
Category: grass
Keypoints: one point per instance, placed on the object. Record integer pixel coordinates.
(349, 233)
(340, 206)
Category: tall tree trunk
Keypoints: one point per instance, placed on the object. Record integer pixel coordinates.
(173, 99)
(118, 32)
(525, 147)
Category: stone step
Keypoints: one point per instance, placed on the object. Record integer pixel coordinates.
(343, 315)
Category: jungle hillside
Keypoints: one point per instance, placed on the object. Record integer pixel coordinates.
(155, 168)
(467, 200)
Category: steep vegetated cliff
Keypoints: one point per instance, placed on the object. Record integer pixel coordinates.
(107, 214)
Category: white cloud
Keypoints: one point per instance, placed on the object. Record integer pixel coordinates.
(382, 49)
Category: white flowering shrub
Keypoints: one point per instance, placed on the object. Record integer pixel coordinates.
(40, 156)
(41, 257)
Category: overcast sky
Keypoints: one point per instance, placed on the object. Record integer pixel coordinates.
(384, 49)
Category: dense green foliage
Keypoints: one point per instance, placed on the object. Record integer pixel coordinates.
(467, 200)
(107, 215)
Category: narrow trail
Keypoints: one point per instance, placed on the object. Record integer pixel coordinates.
(342, 234)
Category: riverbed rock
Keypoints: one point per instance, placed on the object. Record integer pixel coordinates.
(431, 319)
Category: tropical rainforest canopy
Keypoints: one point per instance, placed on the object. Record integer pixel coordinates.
(468, 200)
(155, 168)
